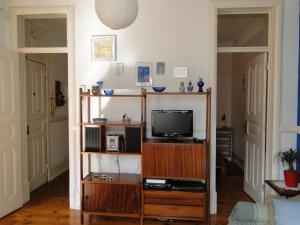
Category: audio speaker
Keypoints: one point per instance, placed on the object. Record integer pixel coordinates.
(133, 139)
(92, 139)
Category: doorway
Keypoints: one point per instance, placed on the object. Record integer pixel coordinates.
(45, 76)
(241, 106)
(242, 63)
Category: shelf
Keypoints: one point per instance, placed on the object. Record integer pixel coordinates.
(115, 95)
(113, 123)
(125, 215)
(109, 153)
(122, 178)
(176, 93)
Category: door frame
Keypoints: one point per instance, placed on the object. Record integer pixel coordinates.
(274, 9)
(49, 12)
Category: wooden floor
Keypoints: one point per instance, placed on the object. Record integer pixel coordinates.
(50, 205)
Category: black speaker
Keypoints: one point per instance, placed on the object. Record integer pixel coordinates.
(133, 139)
(92, 139)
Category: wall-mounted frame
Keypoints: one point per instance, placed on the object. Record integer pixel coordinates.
(160, 68)
(104, 47)
(143, 74)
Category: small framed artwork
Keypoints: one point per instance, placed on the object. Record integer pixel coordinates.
(143, 74)
(180, 72)
(160, 68)
(104, 48)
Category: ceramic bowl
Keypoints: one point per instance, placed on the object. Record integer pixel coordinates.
(159, 89)
(108, 91)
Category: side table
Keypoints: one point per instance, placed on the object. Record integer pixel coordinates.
(281, 191)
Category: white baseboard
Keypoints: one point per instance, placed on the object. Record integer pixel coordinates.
(213, 202)
(58, 170)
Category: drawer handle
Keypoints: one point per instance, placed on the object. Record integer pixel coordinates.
(87, 197)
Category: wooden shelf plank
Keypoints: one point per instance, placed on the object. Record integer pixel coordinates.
(122, 178)
(122, 215)
(115, 95)
(114, 123)
(176, 93)
(109, 153)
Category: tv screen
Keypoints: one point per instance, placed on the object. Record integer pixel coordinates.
(172, 123)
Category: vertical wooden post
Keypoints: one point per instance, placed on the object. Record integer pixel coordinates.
(208, 138)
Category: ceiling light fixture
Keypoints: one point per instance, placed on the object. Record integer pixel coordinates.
(117, 14)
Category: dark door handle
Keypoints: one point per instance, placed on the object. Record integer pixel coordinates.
(28, 130)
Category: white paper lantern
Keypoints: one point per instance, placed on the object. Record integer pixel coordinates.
(117, 14)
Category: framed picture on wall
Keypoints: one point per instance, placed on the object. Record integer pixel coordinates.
(104, 48)
(160, 68)
(143, 74)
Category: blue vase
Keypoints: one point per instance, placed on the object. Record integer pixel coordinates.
(200, 84)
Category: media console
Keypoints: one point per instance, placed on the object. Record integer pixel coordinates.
(175, 179)
(174, 182)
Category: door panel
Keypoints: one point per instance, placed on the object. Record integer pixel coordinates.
(255, 132)
(10, 136)
(36, 121)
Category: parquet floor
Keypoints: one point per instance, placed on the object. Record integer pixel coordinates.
(49, 205)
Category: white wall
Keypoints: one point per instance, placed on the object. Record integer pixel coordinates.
(4, 24)
(224, 89)
(174, 31)
(58, 124)
(289, 78)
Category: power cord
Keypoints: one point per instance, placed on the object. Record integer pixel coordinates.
(117, 163)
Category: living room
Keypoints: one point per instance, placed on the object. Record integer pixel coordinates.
(176, 42)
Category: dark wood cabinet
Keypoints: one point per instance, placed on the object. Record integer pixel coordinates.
(123, 199)
(168, 160)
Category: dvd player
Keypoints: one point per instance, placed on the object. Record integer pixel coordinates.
(174, 185)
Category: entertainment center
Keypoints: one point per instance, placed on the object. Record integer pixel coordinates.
(175, 173)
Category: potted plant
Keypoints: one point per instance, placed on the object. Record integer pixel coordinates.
(290, 175)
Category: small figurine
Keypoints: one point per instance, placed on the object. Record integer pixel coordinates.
(96, 90)
(126, 119)
(200, 84)
(190, 87)
(181, 87)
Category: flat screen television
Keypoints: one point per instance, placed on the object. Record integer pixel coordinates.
(172, 123)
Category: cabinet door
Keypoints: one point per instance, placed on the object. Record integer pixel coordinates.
(174, 160)
(111, 198)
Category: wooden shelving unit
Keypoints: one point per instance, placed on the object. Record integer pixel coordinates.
(117, 195)
(122, 195)
(185, 160)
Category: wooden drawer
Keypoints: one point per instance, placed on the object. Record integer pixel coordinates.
(174, 211)
(174, 198)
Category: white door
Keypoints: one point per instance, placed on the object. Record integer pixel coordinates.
(10, 135)
(255, 127)
(36, 124)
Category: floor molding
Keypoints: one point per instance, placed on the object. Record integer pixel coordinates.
(58, 170)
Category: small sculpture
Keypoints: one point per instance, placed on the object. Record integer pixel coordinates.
(181, 87)
(190, 87)
(126, 119)
(96, 90)
(200, 84)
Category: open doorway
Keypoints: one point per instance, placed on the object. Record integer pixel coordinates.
(242, 63)
(45, 82)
